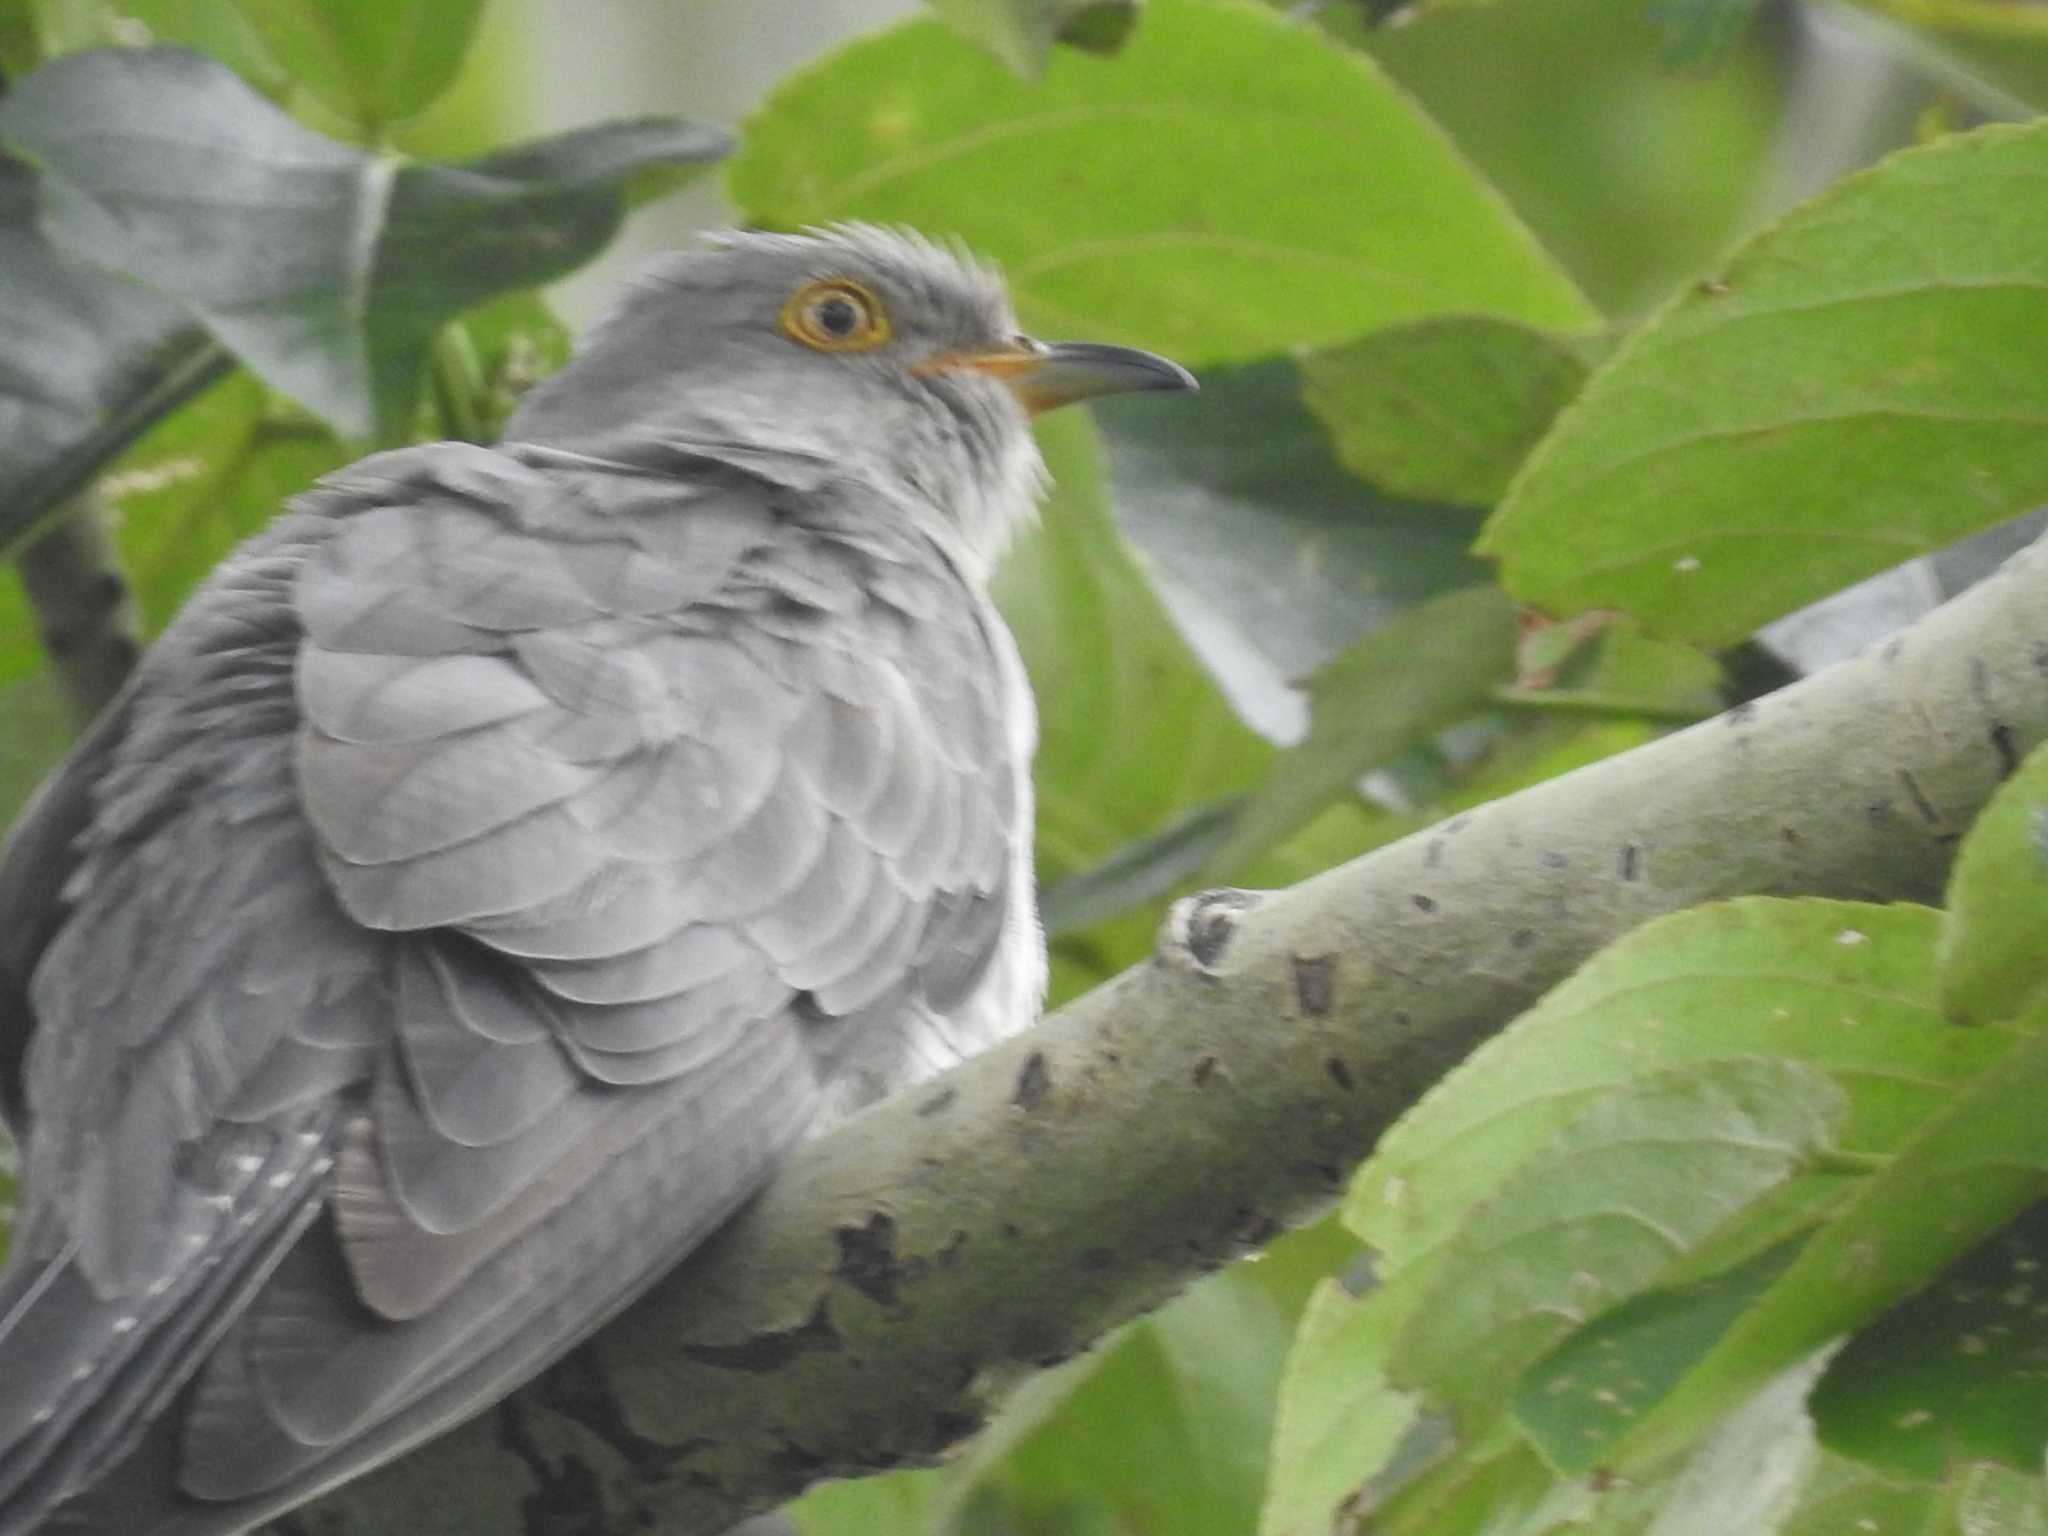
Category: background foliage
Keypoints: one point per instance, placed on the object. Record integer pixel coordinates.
(1551, 348)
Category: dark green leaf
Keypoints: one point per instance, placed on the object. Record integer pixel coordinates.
(1579, 1400)
(1699, 34)
(1022, 32)
(1227, 187)
(87, 362)
(1443, 410)
(1956, 1374)
(1131, 731)
(1271, 557)
(1138, 872)
(1837, 400)
(374, 61)
(326, 269)
(1433, 665)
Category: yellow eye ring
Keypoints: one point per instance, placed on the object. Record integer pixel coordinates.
(836, 314)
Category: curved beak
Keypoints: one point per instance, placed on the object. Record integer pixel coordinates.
(1045, 375)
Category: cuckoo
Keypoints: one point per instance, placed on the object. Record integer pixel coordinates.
(502, 861)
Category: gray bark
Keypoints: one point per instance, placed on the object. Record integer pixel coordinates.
(874, 1305)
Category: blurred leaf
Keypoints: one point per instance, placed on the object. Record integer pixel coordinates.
(1271, 558)
(1228, 187)
(1644, 1177)
(1442, 410)
(1992, 962)
(1407, 680)
(1139, 871)
(374, 61)
(220, 29)
(1838, 400)
(1955, 1375)
(898, 1504)
(1623, 671)
(38, 733)
(1022, 32)
(1971, 1168)
(2004, 46)
(87, 362)
(1131, 730)
(327, 270)
(1635, 177)
(1842, 987)
(211, 476)
(1846, 1498)
(1700, 34)
(1169, 1430)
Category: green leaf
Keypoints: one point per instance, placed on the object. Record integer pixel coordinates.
(1839, 399)
(375, 62)
(1992, 962)
(1395, 689)
(1648, 1175)
(221, 30)
(87, 362)
(1446, 409)
(1844, 988)
(1022, 32)
(1339, 1420)
(326, 269)
(39, 731)
(1954, 1375)
(1970, 1169)
(899, 1504)
(1230, 186)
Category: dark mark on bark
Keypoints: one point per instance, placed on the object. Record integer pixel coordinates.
(1894, 648)
(1010, 1230)
(1878, 812)
(943, 1099)
(1034, 1082)
(1340, 1074)
(1315, 979)
(578, 1389)
(952, 1425)
(1920, 797)
(1096, 1260)
(2040, 658)
(1422, 902)
(1331, 1175)
(1631, 861)
(1554, 860)
(1205, 1068)
(950, 1251)
(867, 1258)
(801, 1465)
(1742, 713)
(1522, 938)
(1433, 855)
(774, 1349)
(2008, 751)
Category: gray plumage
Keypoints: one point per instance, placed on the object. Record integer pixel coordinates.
(498, 866)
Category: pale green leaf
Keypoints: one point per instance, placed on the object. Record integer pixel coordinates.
(1993, 964)
(1859, 385)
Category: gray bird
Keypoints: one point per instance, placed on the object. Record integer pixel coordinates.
(502, 862)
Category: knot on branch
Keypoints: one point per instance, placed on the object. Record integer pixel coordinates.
(1198, 929)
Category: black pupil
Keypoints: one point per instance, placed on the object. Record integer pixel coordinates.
(837, 316)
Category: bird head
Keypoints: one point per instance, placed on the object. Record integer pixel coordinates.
(853, 350)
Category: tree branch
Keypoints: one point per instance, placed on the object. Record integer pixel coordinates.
(875, 1303)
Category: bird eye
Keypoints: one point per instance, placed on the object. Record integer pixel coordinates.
(835, 314)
